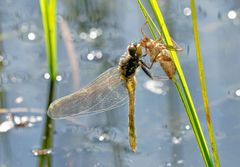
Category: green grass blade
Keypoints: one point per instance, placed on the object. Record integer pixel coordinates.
(203, 84)
(149, 20)
(186, 98)
(192, 114)
(48, 11)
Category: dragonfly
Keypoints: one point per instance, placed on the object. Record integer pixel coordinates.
(158, 51)
(110, 90)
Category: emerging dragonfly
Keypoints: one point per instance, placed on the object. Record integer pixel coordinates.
(158, 51)
(110, 90)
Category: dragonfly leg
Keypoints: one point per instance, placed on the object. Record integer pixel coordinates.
(152, 62)
(176, 46)
(146, 71)
(144, 25)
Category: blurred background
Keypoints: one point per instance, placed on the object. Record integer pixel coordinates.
(92, 35)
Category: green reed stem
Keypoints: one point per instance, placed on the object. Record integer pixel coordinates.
(48, 11)
(203, 84)
(184, 94)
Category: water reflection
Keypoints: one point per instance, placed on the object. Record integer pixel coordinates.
(19, 100)
(18, 121)
(157, 87)
(187, 11)
(237, 92)
(59, 78)
(94, 54)
(29, 31)
(234, 93)
(39, 152)
(103, 134)
(46, 75)
(31, 36)
(232, 14)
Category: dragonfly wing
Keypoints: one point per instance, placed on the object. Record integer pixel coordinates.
(106, 92)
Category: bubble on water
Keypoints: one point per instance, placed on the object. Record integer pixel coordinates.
(168, 164)
(176, 140)
(6, 126)
(93, 35)
(103, 137)
(156, 87)
(39, 152)
(187, 127)
(95, 32)
(234, 93)
(39, 118)
(31, 36)
(46, 75)
(30, 125)
(83, 35)
(232, 14)
(187, 11)
(90, 56)
(19, 99)
(59, 78)
(32, 119)
(98, 54)
(24, 119)
(29, 31)
(102, 134)
(94, 53)
(237, 92)
(17, 119)
(180, 161)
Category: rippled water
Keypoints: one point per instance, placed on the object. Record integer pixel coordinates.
(100, 32)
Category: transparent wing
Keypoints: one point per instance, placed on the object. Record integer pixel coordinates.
(103, 94)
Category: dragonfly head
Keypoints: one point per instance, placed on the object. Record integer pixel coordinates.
(135, 49)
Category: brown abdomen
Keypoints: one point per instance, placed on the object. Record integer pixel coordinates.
(168, 66)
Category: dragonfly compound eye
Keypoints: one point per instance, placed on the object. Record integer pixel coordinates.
(132, 49)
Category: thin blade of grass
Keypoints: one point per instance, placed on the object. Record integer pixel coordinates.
(48, 11)
(49, 25)
(193, 115)
(187, 100)
(203, 84)
(149, 20)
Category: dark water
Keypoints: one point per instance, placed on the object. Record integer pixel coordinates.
(101, 31)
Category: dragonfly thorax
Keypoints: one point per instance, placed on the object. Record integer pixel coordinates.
(129, 62)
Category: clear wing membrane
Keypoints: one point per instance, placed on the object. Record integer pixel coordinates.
(103, 94)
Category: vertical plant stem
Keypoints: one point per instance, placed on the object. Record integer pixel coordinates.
(203, 84)
(48, 131)
(192, 114)
(185, 94)
(48, 11)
